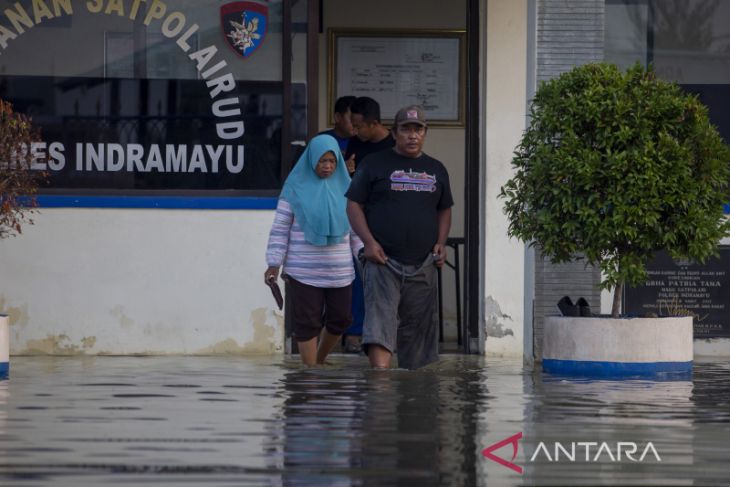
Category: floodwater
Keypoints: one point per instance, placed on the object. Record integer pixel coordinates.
(267, 421)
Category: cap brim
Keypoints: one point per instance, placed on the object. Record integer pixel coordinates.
(417, 122)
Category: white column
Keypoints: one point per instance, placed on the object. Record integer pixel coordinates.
(506, 107)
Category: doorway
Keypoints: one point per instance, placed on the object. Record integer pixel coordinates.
(310, 24)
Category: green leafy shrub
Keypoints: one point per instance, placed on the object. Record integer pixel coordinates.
(616, 166)
(18, 182)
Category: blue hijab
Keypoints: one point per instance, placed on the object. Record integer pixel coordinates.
(319, 205)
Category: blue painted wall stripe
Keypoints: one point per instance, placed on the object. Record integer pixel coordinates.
(169, 202)
(163, 202)
(613, 369)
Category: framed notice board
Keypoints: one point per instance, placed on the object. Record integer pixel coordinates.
(400, 68)
(684, 287)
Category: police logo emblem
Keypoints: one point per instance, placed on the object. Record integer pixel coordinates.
(244, 26)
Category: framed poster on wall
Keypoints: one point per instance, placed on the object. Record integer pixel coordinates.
(400, 68)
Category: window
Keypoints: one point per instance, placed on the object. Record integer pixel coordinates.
(137, 97)
(687, 41)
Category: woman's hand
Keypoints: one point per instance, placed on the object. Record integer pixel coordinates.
(271, 274)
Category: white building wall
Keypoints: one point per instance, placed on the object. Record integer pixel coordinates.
(506, 108)
(126, 281)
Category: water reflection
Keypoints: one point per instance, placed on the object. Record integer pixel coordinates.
(4, 436)
(364, 427)
(258, 421)
(593, 412)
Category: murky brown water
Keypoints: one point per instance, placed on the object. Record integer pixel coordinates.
(266, 421)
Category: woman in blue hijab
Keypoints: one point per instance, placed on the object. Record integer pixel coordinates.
(312, 239)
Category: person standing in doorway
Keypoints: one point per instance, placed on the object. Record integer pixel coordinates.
(370, 134)
(342, 131)
(399, 203)
(312, 239)
(370, 137)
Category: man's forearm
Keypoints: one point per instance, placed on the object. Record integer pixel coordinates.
(358, 222)
(444, 220)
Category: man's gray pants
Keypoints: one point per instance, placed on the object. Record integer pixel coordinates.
(400, 310)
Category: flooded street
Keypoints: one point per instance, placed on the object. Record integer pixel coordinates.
(266, 421)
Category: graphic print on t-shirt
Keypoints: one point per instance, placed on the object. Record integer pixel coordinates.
(401, 180)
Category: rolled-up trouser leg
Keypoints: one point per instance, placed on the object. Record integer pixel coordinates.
(338, 309)
(381, 289)
(400, 311)
(418, 339)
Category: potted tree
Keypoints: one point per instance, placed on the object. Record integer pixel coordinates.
(613, 167)
(18, 186)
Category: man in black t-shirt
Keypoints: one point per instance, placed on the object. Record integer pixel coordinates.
(400, 205)
(370, 137)
(370, 134)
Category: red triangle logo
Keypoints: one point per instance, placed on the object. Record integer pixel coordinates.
(513, 440)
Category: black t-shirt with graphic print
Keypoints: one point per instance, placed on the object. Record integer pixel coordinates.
(402, 197)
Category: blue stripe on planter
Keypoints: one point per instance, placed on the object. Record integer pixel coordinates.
(4, 368)
(614, 369)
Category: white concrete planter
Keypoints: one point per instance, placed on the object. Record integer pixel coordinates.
(4, 346)
(617, 347)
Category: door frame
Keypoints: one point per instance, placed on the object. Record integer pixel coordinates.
(473, 260)
(473, 254)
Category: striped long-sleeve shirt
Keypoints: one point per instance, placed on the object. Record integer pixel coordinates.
(319, 266)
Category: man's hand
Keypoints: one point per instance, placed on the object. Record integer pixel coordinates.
(439, 253)
(375, 253)
(350, 163)
(444, 219)
(271, 274)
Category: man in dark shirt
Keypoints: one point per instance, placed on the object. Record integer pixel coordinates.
(400, 205)
(342, 131)
(370, 137)
(370, 134)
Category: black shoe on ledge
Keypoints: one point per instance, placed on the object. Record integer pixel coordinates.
(584, 309)
(567, 308)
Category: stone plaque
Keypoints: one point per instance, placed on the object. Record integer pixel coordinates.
(681, 288)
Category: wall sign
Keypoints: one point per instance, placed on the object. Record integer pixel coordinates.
(244, 26)
(400, 68)
(681, 288)
(140, 96)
